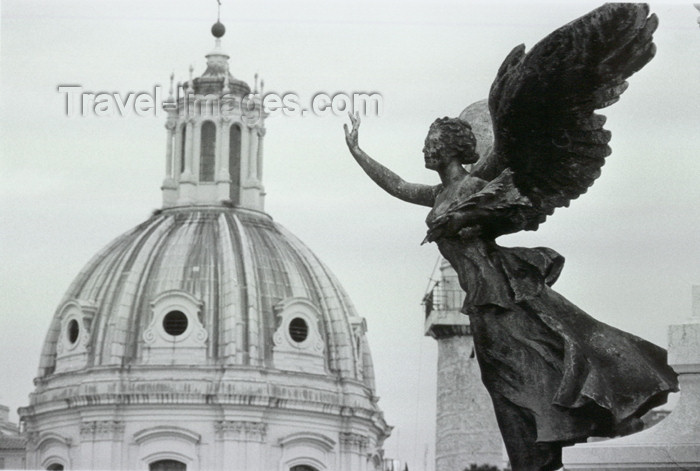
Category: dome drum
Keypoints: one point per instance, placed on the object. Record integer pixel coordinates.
(207, 437)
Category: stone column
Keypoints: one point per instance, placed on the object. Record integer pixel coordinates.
(187, 180)
(466, 428)
(253, 154)
(259, 163)
(241, 444)
(169, 186)
(245, 162)
(261, 136)
(196, 147)
(189, 151)
(250, 191)
(99, 440)
(353, 449)
(223, 178)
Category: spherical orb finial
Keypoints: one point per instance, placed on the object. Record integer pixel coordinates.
(218, 29)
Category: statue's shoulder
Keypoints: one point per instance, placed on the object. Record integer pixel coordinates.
(468, 186)
(473, 183)
(449, 196)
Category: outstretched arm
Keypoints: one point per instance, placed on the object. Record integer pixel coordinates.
(415, 193)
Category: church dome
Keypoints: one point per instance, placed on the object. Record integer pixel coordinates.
(207, 337)
(206, 325)
(244, 285)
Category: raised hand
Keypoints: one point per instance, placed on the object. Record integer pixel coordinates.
(351, 137)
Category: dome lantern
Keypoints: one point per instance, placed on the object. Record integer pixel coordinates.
(215, 131)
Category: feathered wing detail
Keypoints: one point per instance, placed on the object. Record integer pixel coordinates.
(543, 103)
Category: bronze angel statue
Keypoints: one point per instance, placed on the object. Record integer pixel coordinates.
(555, 375)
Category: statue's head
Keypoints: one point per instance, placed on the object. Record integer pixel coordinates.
(449, 138)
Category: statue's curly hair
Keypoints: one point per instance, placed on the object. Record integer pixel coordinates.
(458, 135)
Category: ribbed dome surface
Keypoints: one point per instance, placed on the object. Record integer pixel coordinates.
(239, 264)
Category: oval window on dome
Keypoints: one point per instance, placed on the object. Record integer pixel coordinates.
(175, 323)
(73, 331)
(298, 329)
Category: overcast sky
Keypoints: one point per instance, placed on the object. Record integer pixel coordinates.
(70, 185)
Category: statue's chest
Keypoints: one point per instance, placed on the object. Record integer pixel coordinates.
(453, 195)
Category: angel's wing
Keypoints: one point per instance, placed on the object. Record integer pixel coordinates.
(542, 103)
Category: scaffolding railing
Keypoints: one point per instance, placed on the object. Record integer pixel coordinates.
(443, 299)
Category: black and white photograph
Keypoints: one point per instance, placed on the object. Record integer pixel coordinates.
(349, 236)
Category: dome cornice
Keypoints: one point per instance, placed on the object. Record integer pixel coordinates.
(238, 387)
